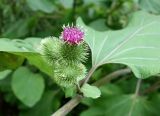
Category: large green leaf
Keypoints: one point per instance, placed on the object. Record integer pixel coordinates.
(150, 5)
(129, 105)
(27, 48)
(99, 25)
(122, 105)
(27, 86)
(137, 46)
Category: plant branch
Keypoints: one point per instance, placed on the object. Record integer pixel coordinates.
(111, 76)
(89, 75)
(64, 110)
(152, 88)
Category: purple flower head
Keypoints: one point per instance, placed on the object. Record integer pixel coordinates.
(72, 34)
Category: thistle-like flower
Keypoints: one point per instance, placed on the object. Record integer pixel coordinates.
(66, 55)
(72, 34)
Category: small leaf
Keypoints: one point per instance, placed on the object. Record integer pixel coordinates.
(90, 91)
(27, 86)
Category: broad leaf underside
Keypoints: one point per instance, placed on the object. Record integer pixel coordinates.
(137, 46)
(27, 48)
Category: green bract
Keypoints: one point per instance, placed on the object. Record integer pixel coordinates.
(50, 47)
(74, 53)
(67, 75)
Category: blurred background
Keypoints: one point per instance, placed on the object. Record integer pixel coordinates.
(20, 19)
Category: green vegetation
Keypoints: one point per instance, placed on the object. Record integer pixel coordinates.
(123, 64)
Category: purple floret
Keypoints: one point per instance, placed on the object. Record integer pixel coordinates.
(72, 35)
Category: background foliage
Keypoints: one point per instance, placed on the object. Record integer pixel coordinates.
(21, 66)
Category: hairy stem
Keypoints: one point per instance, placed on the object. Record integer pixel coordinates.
(64, 110)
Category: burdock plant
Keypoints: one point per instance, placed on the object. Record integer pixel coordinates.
(66, 55)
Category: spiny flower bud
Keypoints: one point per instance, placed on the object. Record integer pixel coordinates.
(72, 34)
(50, 49)
(68, 75)
(66, 55)
(75, 53)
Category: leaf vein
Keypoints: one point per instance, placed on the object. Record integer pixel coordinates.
(125, 41)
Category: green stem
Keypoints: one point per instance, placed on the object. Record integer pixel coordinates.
(89, 75)
(138, 87)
